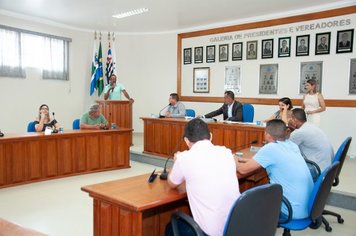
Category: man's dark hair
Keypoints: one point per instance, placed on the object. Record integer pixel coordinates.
(277, 129)
(174, 96)
(196, 130)
(299, 114)
(230, 94)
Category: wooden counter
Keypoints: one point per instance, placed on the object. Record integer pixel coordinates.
(32, 157)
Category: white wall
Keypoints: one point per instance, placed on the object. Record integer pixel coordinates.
(20, 98)
(146, 66)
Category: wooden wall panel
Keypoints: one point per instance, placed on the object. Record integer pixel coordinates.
(106, 154)
(148, 136)
(34, 161)
(49, 158)
(93, 152)
(3, 170)
(105, 219)
(18, 167)
(121, 147)
(79, 153)
(230, 140)
(218, 135)
(126, 225)
(65, 163)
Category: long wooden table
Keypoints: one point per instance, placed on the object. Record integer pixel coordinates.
(134, 207)
(162, 135)
(32, 157)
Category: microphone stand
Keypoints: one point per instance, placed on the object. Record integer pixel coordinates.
(164, 174)
(54, 131)
(159, 114)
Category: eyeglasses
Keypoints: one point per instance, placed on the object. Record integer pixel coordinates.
(44, 108)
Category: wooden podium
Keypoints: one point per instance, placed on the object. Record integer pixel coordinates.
(118, 112)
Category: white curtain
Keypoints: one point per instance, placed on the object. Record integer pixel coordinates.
(55, 64)
(10, 54)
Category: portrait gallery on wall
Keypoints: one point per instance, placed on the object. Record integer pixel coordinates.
(232, 55)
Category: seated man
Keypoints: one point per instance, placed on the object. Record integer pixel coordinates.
(93, 119)
(209, 173)
(231, 110)
(176, 108)
(312, 141)
(285, 166)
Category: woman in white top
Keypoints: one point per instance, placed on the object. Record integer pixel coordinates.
(313, 102)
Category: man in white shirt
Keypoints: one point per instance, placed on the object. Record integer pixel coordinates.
(209, 174)
(312, 141)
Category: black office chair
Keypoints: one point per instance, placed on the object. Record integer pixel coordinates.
(316, 204)
(254, 213)
(182, 218)
(340, 156)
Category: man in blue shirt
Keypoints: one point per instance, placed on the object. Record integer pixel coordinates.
(285, 166)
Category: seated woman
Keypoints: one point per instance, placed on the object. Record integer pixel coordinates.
(285, 110)
(44, 120)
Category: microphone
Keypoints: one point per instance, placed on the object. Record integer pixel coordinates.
(152, 176)
(159, 114)
(164, 174)
(240, 146)
(54, 127)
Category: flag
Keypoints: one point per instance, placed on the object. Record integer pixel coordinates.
(94, 66)
(110, 63)
(99, 72)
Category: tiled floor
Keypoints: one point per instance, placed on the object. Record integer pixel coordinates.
(60, 208)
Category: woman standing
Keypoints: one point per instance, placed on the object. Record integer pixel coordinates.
(313, 102)
(44, 120)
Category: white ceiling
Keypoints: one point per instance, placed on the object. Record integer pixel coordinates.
(164, 15)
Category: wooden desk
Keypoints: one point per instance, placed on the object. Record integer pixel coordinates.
(161, 135)
(32, 157)
(134, 207)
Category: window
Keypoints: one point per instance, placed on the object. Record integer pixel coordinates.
(24, 49)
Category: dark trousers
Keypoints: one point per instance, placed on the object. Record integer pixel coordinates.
(183, 228)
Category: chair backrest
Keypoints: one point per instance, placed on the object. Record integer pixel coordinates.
(321, 190)
(181, 218)
(31, 127)
(76, 124)
(190, 112)
(248, 112)
(255, 212)
(340, 157)
(314, 169)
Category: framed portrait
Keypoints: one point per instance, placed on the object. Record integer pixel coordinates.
(345, 40)
(187, 56)
(322, 43)
(224, 52)
(267, 48)
(251, 50)
(310, 70)
(352, 87)
(198, 55)
(210, 53)
(233, 79)
(201, 80)
(237, 51)
(284, 47)
(302, 45)
(268, 79)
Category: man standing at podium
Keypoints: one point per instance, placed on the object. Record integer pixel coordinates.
(113, 90)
